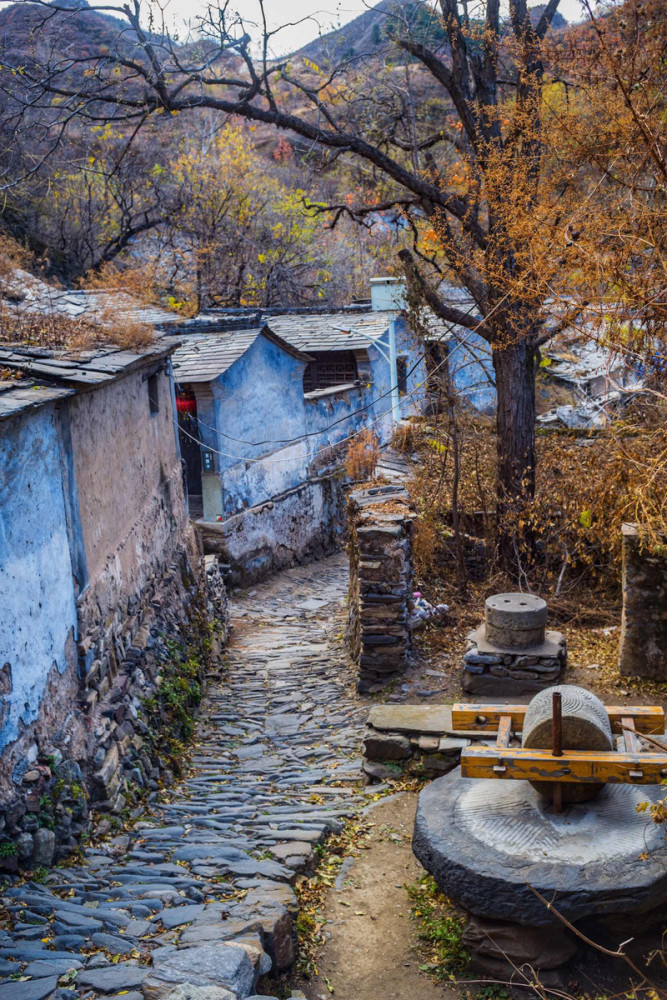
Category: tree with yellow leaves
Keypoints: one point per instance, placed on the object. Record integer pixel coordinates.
(241, 235)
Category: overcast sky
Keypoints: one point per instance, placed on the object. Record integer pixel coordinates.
(307, 18)
(315, 17)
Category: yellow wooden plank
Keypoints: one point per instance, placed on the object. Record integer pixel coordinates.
(504, 731)
(630, 741)
(575, 765)
(486, 717)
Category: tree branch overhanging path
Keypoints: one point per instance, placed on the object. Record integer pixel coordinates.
(465, 170)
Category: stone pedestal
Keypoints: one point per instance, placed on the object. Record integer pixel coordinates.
(512, 653)
(411, 739)
(380, 523)
(643, 650)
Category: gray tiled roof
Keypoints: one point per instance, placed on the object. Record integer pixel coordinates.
(32, 295)
(23, 394)
(344, 331)
(82, 368)
(203, 357)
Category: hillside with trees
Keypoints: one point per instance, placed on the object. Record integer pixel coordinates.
(510, 156)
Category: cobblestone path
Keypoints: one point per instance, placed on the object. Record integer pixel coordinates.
(199, 891)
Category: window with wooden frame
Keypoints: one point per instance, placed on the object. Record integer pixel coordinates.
(329, 369)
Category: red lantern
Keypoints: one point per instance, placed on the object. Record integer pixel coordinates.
(186, 404)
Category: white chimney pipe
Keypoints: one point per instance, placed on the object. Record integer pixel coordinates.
(388, 294)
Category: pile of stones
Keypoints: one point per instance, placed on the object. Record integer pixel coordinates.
(380, 522)
(410, 740)
(513, 653)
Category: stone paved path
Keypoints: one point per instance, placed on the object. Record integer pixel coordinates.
(199, 891)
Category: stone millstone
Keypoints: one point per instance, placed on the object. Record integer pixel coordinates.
(586, 726)
(515, 620)
(485, 842)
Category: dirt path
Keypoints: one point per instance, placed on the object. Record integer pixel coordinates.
(371, 953)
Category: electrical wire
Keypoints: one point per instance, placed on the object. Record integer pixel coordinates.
(268, 460)
(348, 416)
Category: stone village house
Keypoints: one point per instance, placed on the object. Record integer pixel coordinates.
(267, 406)
(97, 561)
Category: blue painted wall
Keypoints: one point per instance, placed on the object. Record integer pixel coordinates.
(412, 348)
(36, 586)
(259, 399)
(251, 412)
(471, 371)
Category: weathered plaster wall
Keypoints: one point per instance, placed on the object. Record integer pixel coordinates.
(37, 602)
(303, 524)
(129, 481)
(471, 371)
(333, 417)
(259, 399)
(98, 568)
(413, 349)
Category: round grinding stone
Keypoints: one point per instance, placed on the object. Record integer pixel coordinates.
(515, 621)
(484, 840)
(586, 726)
(516, 611)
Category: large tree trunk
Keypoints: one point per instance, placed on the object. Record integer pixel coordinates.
(515, 386)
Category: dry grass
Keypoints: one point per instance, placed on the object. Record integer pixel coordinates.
(30, 314)
(406, 436)
(50, 329)
(362, 455)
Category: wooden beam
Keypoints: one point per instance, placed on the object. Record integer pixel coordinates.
(486, 717)
(630, 740)
(575, 765)
(504, 732)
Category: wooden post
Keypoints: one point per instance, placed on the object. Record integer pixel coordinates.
(557, 745)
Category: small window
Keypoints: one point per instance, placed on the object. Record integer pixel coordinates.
(328, 369)
(402, 374)
(153, 400)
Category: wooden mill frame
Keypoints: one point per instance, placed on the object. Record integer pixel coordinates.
(627, 766)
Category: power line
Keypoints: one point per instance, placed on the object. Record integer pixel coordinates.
(270, 461)
(348, 416)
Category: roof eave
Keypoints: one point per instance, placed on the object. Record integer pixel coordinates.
(276, 339)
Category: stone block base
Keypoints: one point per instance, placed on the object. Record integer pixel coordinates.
(410, 740)
(499, 670)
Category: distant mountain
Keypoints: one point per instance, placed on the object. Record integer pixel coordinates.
(557, 22)
(370, 33)
(32, 34)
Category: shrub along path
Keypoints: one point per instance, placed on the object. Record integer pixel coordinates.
(199, 890)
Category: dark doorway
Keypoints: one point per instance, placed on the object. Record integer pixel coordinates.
(188, 434)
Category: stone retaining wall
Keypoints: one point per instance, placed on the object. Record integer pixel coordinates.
(643, 649)
(380, 525)
(298, 526)
(107, 754)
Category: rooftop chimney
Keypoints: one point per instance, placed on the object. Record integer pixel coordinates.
(388, 294)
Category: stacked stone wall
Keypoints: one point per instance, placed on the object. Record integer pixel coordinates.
(643, 648)
(299, 526)
(105, 755)
(380, 526)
